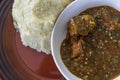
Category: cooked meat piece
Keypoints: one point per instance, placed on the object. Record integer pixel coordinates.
(81, 25)
(76, 48)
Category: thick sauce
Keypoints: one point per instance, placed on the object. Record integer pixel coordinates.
(91, 49)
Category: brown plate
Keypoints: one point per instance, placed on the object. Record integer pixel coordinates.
(18, 62)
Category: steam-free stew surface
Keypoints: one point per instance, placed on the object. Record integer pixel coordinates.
(91, 49)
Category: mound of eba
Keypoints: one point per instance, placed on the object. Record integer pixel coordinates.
(35, 20)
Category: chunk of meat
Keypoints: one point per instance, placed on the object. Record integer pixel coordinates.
(76, 48)
(81, 25)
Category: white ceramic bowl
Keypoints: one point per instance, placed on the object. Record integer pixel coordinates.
(59, 31)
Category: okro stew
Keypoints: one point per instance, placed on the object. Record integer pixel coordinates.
(91, 49)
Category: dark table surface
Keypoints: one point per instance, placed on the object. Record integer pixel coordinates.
(1, 74)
